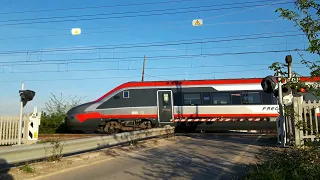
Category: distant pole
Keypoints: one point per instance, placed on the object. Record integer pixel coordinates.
(281, 117)
(144, 64)
(289, 64)
(21, 118)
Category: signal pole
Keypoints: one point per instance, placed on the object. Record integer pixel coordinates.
(21, 118)
(289, 64)
(281, 122)
(144, 64)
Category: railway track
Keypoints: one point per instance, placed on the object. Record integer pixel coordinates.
(48, 137)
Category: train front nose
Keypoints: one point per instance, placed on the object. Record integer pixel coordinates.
(71, 120)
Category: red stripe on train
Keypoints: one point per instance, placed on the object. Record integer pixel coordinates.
(97, 115)
(194, 82)
(184, 83)
(224, 115)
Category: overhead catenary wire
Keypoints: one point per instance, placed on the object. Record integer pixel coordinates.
(112, 6)
(130, 12)
(102, 59)
(154, 44)
(151, 58)
(137, 69)
(129, 28)
(127, 77)
(125, 16)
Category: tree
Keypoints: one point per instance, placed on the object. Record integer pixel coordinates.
(306, 18)
(61, 105)
(308, 23)
(52, 119)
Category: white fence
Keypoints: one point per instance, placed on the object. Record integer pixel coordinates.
(9, 130)
(9, 126)
(302, 123)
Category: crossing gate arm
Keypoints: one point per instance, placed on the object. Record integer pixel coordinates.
(222, 120)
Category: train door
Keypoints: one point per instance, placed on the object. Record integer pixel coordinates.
(165, 106)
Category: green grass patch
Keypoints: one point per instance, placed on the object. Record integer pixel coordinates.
(291, 163)
(27, 168)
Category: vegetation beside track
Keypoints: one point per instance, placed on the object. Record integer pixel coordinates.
(295, 162)
(291, 163)
(53, 118)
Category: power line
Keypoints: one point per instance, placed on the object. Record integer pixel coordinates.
(97, 7)
(118, 13)
(102, 59)
(129, 28)
(125, 16)
(136, 69)
(111, 6)
(125, 77)
(154, 44)
(153, 58)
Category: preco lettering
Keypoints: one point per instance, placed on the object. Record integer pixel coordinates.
(270, 108)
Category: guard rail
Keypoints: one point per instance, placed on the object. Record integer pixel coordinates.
(24, 153)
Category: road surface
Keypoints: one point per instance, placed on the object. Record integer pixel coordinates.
(198, 157)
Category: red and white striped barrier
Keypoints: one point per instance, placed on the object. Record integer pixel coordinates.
(219, 120)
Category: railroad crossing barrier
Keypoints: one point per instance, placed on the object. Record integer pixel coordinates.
(24, 153)
(9, 128)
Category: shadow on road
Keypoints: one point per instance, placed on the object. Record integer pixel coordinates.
(201, 157)
(4, 168)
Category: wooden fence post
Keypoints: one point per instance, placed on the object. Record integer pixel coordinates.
(297, 106)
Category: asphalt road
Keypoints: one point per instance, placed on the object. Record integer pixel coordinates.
(199, 157)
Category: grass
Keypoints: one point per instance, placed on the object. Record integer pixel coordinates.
(291, 163)
(27, 168)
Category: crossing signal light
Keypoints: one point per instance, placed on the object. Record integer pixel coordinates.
(286, 90)
(26, 95)
(303, 90)
(268, 84)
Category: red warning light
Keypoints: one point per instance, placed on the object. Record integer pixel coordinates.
(303, 90)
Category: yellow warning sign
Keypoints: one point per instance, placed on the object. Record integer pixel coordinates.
(197, 22)
(35, 135)
(75, 31)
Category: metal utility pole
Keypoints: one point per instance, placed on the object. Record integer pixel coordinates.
(21, 118)
(289, 64)
(144, 64)
(281, 117)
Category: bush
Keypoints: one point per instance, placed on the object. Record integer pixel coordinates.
(290, 164)
(53, 123)
(52, 120)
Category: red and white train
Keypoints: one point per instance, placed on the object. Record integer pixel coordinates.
(220, 104)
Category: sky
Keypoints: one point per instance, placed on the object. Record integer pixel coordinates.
(38, 48)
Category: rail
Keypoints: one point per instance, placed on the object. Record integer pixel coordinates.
(24, 153)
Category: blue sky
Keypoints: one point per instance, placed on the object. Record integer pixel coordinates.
(219, 24)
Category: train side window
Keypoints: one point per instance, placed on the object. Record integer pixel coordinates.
(166, 99)
(206, 99)
(125, 94)
(274, 99)
(191, 99)
(267, 98)
(251, 98)
(220, 98)
(236, 98)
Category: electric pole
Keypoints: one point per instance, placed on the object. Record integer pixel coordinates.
(289, 64)
(144, 64)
